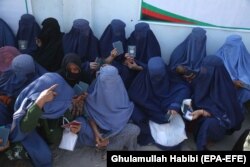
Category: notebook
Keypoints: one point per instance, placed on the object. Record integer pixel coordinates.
(119, 47)
(22, 44)
(187, 112)
(80, 88)
(132, 50)
(4, 135)
(100, 62)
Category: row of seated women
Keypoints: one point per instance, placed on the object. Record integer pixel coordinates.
(109, 110)
(48, 45)
(41, 99)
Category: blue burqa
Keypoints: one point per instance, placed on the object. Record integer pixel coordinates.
(7, 37)
(28, 30)
(236, 58)
(147, 46)
(81, 40)
(23, 71)
(32, 141)
(213, 91)
(115, 31)
(108, 102)
(191, 51)
(154, 93)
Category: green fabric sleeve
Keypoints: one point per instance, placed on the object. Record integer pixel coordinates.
(30, 120)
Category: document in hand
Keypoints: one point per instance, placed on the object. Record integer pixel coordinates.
(80, 88)
(186, 109)
(187, 112)
(4, 135)
(132, 50)
(119, 47)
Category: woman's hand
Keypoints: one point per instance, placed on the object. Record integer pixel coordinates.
(173, 112)
(101, 142)
(77, 104)
(111, 57)
(46, 95)
(134, 66)
(75, 128)
(114, 53)
(128, 58)
(131, 64)
(197, 113)
(3, 148)
(93, 65)
(238, 84)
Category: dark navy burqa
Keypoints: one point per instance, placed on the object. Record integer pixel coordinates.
(115, 31)
(191, 51)
(213, 91)
(154, 93)
(50, 54)
(81, 40)
(7, 37)
(28, 30)
(147, 46)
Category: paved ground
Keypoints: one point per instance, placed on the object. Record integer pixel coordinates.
(89, 157)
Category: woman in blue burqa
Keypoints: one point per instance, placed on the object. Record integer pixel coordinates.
(27, 32)
(115, 31)
(158, 98)
(187, 56)
(38, 110)
(214, 102)
(236, 58)
(23, 71)
(81, 40)
(7, 37)
(147, 46)
(108, 110)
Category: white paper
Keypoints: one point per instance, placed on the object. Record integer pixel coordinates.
(68, 141)
(169, 134)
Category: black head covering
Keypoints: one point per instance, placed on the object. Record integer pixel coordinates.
(71, 78)
(50, 54)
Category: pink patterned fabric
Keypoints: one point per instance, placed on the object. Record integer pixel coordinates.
(7, 54)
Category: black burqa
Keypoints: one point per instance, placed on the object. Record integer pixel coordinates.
(50, 54)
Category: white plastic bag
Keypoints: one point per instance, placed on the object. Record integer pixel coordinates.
(69, 138)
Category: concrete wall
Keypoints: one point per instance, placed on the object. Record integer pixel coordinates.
(169, 36)
(11, 11)
(101, 12)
